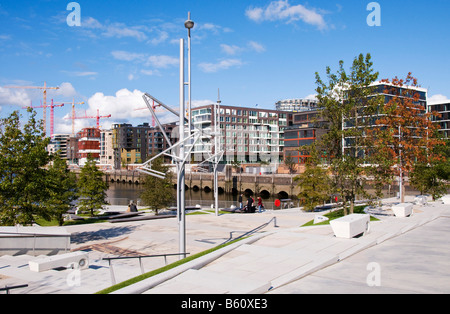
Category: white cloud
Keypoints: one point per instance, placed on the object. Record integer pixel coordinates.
(120, 30)
(161, 61)
(230, 49)
(436, 99)
(66, 90)
(200, 103)
(14, 97)
(234, 49)
(256, 46)
(221, 65)
(127, 56)
(281, 10)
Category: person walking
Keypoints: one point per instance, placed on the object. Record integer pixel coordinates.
(260, 204)
(240, 201)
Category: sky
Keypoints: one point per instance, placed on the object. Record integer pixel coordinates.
(256, 52)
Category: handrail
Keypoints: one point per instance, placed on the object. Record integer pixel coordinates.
(6, 288)
(274, 219)
(140, 257)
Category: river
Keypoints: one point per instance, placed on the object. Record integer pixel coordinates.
(123, 193)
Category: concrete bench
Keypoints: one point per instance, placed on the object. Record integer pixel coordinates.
(446, 199)
(350, 226)
(403, 210)
(78, 260)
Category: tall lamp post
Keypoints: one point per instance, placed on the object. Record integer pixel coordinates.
(189, 25)
(181, 168)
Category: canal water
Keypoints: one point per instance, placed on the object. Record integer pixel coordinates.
(123, 193)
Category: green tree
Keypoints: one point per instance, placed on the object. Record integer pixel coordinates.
(157, 192)
(314, 182)
(91, 187)
(62, 189)
(432, 177)
(348, 104)
(23, 178)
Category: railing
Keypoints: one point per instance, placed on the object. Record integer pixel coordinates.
(6, 288)
(109, 259)
(274, 219)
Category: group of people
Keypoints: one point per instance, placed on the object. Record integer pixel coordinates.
(250, 204)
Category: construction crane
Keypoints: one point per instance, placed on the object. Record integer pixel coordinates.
(44, 106)
(154, 109)
(154, 106)
(73, 115)
(98, 117)
(52, 120)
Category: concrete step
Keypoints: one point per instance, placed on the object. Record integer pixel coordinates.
(204, 281)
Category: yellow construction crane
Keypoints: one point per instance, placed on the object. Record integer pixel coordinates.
(44, 106)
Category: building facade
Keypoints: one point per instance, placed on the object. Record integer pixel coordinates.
(307, 128)
(443, 118)
(88, 144)
(58, 145)
(106, 149)
(248, 135)
(296, 105)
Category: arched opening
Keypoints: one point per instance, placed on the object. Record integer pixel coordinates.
(207, 189)
(283, 195)
(123, 181)
(220, 190)
(112, 180)
(248, 192)
(264, 194)
(195, 188)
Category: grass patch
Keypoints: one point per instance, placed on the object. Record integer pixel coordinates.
(338, 214)
(162, 269)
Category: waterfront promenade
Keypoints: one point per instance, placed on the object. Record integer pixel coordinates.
(399, 255)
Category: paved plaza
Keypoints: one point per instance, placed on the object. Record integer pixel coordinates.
(398, 255)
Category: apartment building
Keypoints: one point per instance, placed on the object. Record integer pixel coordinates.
(443, 109)
(307, 128)
(106, 149)
(58, 145)
(88, 144)
(249, 135)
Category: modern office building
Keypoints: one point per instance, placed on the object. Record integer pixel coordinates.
(307, 128)
(156, 140)
(248, 135)
(130, 144)
(443, 109)
(388, 92)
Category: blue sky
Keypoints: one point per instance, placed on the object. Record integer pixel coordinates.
(255, 51)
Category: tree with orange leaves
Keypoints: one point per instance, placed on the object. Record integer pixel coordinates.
(405, 135)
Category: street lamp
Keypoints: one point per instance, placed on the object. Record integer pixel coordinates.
(189, 25)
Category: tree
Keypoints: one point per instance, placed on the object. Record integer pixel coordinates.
(23, 178)
(405, 131)
(349, 103)
(314, 182)
(432, 177)
(62, 189)
(157, 192)
(91, 187)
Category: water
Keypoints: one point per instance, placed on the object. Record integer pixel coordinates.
(123, 193)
